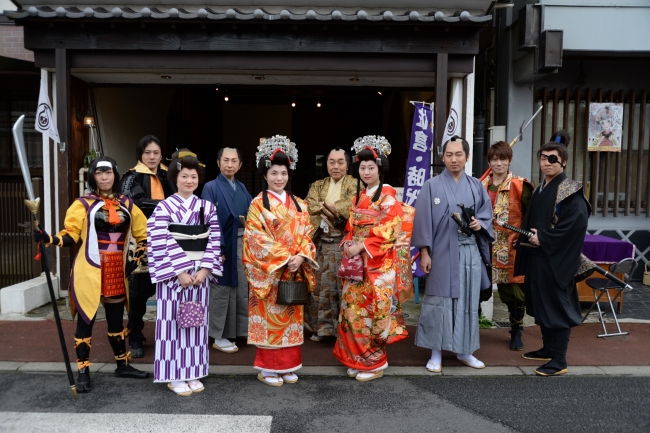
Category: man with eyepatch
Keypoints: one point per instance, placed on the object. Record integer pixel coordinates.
(451, 258)
(557, 215)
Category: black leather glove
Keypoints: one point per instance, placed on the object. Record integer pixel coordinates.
(129, 268)
(41, 236)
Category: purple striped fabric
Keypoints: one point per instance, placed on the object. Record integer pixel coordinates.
(181, 353)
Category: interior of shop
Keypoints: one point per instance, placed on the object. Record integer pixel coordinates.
(205, 118)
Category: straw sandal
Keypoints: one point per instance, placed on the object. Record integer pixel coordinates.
(433, 367)
(289, 378)
(195, 385)
(352, 373)
(232, 348)
(183, 391)
(265, 379)
(375, 375)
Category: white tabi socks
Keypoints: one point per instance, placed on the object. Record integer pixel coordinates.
(434, 363)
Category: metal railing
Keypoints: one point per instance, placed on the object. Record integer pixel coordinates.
(17, 248)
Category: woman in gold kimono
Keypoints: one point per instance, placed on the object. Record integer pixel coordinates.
(277, 246)
(104, 221)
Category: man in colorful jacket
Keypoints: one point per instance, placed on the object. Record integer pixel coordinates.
(510, 195)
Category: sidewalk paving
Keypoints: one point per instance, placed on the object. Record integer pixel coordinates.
(31, 342)
(329, 371)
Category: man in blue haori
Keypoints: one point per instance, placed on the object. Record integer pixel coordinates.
(229, 299)
(451, 259)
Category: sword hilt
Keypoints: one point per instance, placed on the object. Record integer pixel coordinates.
(516, 229)
(33, 206)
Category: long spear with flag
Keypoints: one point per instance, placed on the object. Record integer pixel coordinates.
(33, 203)
(519, 137)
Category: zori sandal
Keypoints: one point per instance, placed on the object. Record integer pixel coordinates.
(289, 378)
(272, 380)
(195, 385)
(181, 388)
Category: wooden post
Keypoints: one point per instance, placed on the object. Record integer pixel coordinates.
(440, 108)
(62, 63)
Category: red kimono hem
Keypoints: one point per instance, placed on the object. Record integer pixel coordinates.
(282, 360)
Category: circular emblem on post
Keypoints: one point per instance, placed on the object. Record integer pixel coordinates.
(43, 116)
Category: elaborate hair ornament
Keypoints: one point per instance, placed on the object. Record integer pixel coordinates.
(279, 143)
(376, 143)
(182, 154)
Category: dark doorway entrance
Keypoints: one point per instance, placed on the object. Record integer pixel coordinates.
(202, 120)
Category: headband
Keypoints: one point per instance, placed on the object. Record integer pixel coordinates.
(104, 164)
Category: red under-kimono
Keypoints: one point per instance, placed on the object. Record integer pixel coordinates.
(271, 238)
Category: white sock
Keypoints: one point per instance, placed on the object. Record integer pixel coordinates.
(436, 356)
(223, 342)
(465, 357)
(178, 384)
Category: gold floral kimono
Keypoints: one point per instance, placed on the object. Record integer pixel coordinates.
(270, 239)
(371, 312)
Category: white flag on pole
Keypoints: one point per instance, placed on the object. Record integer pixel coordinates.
(44, 116)
(453, 121)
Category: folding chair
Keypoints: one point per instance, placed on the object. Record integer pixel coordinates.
(604, 285)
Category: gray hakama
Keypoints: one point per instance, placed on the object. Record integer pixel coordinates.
(452, 323)
(229, 305)
(449, 315)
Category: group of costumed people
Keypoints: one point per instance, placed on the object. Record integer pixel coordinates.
(215, 263)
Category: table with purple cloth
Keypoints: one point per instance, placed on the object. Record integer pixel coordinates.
(604, 251)
(601, 249)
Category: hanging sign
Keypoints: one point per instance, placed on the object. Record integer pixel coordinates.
(418, 168)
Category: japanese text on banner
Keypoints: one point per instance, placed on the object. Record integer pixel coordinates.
(418, 168)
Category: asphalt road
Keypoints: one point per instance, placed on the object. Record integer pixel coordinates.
(41, 402)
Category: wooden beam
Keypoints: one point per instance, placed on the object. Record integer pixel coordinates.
(459, 41)
(62, 60)
(234, 61)
(440, 103)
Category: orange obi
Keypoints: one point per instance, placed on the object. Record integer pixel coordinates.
(112, 263)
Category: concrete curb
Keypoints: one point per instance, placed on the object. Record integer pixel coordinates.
(244, 370)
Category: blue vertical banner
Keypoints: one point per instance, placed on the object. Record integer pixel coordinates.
(418, 168)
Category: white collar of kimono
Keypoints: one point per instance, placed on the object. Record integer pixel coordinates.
(187, 201)
(282, 197)
(372, 190)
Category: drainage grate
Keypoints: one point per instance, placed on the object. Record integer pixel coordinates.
(502, 324)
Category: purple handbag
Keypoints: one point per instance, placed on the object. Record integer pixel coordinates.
(191, 314)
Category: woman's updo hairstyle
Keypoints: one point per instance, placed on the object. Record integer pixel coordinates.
(373, 148)
(278, 157)
(95, 166)
(184, 158)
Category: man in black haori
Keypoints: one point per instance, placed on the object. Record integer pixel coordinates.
(557, 214)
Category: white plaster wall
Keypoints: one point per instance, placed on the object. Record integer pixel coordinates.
(601, 28)
(125, 115)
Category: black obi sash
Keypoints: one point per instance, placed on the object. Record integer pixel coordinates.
(191, 237)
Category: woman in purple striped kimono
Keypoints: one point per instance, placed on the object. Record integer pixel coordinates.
(184, 258)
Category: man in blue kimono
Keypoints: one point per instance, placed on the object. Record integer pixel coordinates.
(229, 299)
(455, 269)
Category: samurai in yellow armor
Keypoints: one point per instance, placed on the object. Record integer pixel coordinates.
(104, 221)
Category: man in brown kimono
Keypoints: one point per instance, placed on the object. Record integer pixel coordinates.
(329, 203)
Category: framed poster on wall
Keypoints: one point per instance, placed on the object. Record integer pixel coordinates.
(605, 127)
